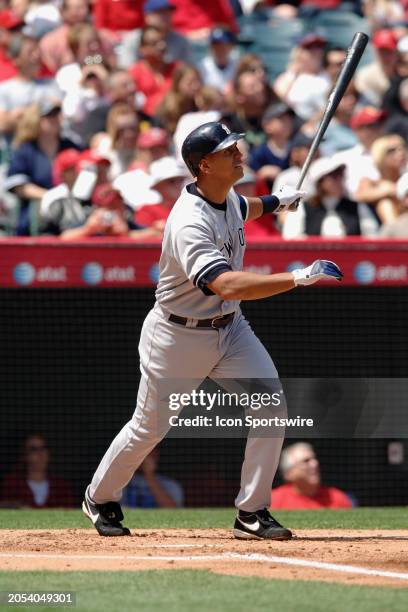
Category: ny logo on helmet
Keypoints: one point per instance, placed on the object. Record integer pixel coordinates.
(225, 128)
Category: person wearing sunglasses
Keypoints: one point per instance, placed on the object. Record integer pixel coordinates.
(31, 483)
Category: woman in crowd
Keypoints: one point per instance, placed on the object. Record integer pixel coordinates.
(181, 99)
(389, 154)
(120, 145)
(36, 143)
(31, 483)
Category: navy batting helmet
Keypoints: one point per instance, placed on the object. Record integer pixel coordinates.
(207, 138)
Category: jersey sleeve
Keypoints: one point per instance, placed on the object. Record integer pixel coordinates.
(198, 256)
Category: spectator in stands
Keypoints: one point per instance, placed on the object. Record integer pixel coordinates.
(196, 19)
(298, 151)
(75, 176)
(55, 51)
(303, 489)
(251, 62)
(389, 154)
(333, 61)
(339, 135)
(167, 178)
(264, 227)
(109, 216)
(210, 104)
(383, 13)
(399, 227)
(152, 144)
(82, 81)
(219, 67)
(37, 142)
(24, 89)
(159, 14)
(329, 212)
(119, 16)
(397, 122)
(123, 131)
(270, 158)
(249, 99)
(186, 83)
(150, 489)
(372, 81)
(32, 483)
(119, 87)
(153, 73)
(305, 85)
(9, 23)
(368, 125)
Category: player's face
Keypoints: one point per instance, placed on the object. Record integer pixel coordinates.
(226, 164)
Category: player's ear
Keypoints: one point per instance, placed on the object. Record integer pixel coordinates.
(204, 166)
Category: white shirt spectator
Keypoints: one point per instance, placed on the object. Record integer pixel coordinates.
(308, 94)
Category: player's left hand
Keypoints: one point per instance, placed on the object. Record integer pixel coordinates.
(289, 198)
(321, 269)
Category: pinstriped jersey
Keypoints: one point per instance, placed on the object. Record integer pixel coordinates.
(201, 240)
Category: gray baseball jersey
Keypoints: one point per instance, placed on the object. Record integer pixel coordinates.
(201, 240)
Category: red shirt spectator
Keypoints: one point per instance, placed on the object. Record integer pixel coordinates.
(287, 498)
(152, 74)
(16, 490)
(193, 15)
(9, 23)
(118, 15)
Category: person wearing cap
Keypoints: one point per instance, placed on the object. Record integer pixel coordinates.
(159, 14)
(270, 158)
(372, 81)
(328, 212)
(368, 124)
(37, 142)
(304, 86)
(9, 23)
(25, 88)
(152, 144)
(299, 148)
(219, 67)
(167, 177)
(152, 73)
(398, 228)
(196, 330)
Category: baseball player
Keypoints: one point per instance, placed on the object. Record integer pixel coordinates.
(196, 329)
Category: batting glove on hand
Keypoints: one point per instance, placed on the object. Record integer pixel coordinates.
(321, 269)
(289, 198)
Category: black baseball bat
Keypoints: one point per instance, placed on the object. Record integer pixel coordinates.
(354, 53)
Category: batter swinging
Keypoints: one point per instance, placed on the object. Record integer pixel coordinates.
(196, 329)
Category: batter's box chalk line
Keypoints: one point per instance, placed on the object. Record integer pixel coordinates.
(256, 557)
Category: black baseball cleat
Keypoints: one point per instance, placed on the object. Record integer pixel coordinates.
(105, 517)
(259, 525)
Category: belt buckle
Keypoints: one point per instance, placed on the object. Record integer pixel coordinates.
(216, 319)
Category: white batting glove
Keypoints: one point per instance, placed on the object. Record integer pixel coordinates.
(321, 269)
(289, 198)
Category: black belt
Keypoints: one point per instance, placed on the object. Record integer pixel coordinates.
(215, 323)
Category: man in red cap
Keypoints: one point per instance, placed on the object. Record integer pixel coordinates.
(373, 80)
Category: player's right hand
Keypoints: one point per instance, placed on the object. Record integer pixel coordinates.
(289, 198)
(321, 269)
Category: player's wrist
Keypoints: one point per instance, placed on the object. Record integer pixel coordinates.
(270, 203)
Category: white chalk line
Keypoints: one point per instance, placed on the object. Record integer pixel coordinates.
(348, 569)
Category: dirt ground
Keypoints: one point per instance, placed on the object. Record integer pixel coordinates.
(302, 558)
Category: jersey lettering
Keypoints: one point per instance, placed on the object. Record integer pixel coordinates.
(241, 236)
(228, 247)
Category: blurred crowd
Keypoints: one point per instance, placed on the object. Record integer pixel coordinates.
(97, 97)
